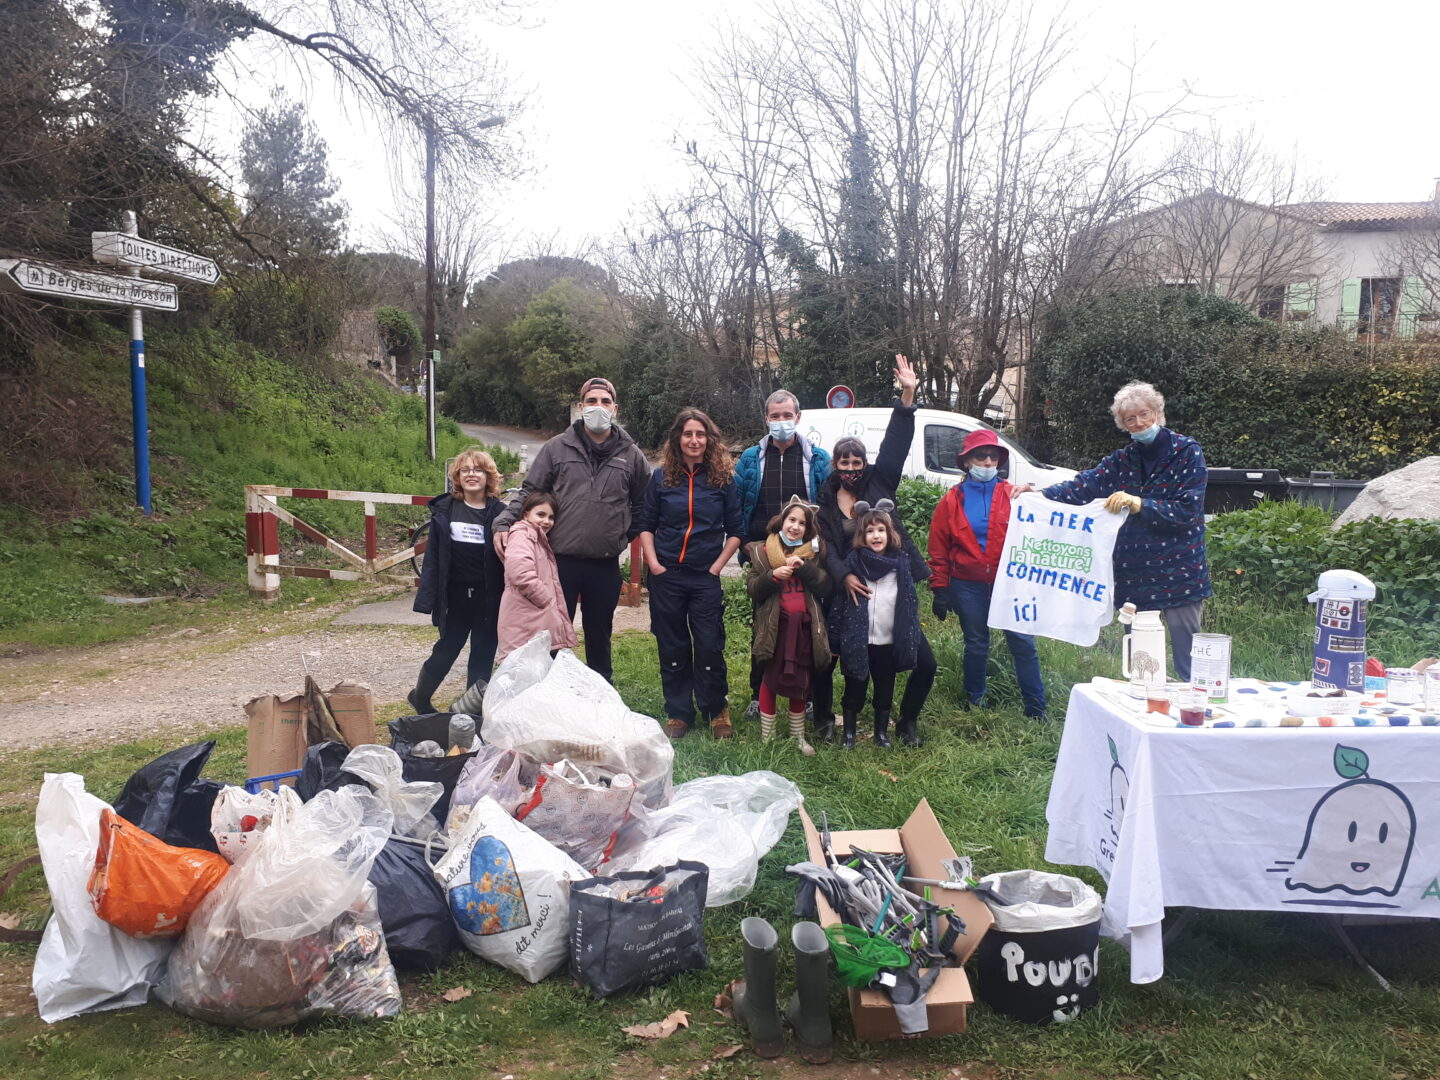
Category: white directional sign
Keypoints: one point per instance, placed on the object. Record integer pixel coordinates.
(45, 279)
(121, 249)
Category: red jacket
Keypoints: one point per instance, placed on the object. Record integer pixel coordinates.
(954, 550)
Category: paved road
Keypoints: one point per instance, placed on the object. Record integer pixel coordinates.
(507, 438)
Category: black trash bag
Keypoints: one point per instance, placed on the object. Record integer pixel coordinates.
(168, 800)
(419, 931)
(322, 770)
(638, 927)
(406, 732)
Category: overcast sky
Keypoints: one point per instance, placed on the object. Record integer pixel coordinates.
(1348, 84)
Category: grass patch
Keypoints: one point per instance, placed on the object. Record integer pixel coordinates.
(1263, 996)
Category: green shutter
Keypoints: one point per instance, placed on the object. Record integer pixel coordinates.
(1412, 303)
(1350, 303)
(1300, 301)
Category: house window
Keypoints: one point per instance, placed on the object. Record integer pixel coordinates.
(1379, 304)
(1272, 304)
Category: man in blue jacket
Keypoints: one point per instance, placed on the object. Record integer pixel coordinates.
(780, 465)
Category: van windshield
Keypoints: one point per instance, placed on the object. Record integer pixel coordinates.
(944, 441)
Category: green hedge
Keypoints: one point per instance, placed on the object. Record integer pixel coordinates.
(1254, 393)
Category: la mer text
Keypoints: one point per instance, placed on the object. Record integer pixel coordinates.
(1059, 519)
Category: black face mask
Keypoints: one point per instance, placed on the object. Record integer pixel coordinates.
(850, 479)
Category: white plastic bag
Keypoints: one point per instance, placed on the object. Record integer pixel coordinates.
(569, 712)
(83, 963)
(579, 814)
(228, 819)
(293, 930)
(495, 773)
(509, 893)
(1036, 900)
(726, 822)
(410, 802)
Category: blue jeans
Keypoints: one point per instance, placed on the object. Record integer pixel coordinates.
(970, 600)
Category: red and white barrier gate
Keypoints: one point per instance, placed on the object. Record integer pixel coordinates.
(262, 538)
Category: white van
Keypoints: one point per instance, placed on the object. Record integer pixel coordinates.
(938, 438)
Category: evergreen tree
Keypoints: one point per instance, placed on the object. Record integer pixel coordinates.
(290, 193)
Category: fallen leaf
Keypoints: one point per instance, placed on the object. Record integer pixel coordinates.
(727, 1052)
(890, 776)
(9, 921)
(457, 993)
(724, 1004)
(661, 1029)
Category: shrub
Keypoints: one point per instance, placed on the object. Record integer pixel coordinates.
(916, 499)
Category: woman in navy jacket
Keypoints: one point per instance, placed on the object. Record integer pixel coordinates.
(690, 526)
(462, 577)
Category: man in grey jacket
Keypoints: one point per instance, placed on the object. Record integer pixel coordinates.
(598, 475)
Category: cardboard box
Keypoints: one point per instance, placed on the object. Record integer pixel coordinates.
(353, 706)
(277, 738)
(925, 846)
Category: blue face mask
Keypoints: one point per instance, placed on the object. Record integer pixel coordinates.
(983, 474)
(1148, 435)
(788, 542)
(782, 430)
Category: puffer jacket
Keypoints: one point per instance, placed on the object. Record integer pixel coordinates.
(750, 470)
(533, 600)
(432, 595)
(764, 591)
(600, 498)
(1160, 553)
(850, 623)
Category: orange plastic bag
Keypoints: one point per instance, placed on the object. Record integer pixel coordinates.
(144, 886)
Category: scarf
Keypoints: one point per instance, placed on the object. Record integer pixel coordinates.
(777, 552)
(876, 565)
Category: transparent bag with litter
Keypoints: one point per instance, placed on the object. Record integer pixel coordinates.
(409, 801)
(495, 772)
(726, 822)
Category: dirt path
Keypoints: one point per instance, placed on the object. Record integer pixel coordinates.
(193, 680)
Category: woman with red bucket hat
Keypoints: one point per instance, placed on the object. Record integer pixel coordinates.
(967, 534)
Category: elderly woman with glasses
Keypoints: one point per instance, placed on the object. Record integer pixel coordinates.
(1159, 476)
(462, 577)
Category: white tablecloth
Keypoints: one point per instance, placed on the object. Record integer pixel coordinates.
(1339, 820)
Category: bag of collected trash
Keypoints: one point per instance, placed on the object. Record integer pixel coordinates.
(293, 931)
(419, 932)
(579, 815)
(323, 770)
(239, 817)
(144, 886)
(168, 799)
(83, 963)
(406, 733)
(409, 802)
(494, 773)
(508, 891)
(571, 713)
(1040, 961)
(726, 822)
(635, 929)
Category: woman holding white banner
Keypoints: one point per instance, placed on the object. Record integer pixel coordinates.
(1160, 562)
(967, 535)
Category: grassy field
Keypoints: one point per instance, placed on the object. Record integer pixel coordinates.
(1245, 995)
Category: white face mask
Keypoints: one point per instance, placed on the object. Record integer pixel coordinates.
(597, 418)
(782, 430)
(984, 473)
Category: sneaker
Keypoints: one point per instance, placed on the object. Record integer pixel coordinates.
(720, 726)
(752, 711)
(676, 729)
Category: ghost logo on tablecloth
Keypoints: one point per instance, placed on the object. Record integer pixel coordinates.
(492, 901)
(1115, 812)
(1358, 840)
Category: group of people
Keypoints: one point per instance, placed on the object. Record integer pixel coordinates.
(830, 567)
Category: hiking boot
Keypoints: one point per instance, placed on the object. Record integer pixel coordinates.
(720, 726)
(676, 729)
(809, 1009)
(754, 997)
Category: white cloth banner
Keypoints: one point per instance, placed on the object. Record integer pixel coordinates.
(1243, 819)
(1057, 575)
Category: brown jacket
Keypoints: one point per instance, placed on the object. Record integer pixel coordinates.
(764, 592)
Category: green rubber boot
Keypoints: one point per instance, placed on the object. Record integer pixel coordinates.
(754, 998)
(809, 1011)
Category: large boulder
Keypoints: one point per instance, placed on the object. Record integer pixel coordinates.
(1411, 492)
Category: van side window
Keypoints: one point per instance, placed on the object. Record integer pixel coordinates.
(942, 443)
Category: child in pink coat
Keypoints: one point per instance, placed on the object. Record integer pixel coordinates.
(532, 600)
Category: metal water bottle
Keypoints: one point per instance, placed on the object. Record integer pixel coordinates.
(1342, 600)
